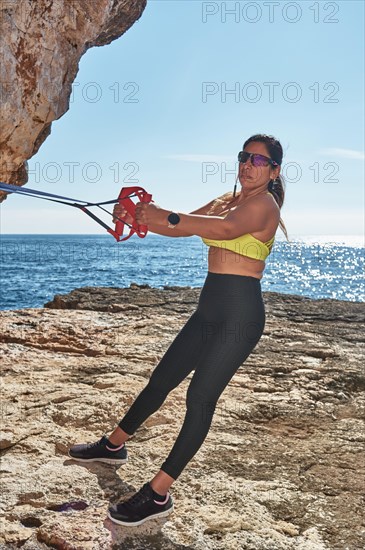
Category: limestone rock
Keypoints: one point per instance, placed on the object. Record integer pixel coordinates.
(282, 467)
(41, 46)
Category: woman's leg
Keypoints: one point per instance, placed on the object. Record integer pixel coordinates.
(178, 361)
(230, 339)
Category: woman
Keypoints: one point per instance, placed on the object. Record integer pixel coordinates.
(220, 334)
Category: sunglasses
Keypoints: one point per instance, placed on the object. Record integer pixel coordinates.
(256, 159)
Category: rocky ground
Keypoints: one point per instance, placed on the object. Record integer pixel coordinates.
(282, 467)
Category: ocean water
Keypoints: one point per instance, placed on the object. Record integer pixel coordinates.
(33, 268)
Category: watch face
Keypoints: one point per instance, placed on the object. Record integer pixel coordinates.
(173, 218)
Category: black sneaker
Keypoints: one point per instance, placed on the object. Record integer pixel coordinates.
(99, 452)
(140, 508)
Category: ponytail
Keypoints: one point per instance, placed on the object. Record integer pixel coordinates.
(277, 189)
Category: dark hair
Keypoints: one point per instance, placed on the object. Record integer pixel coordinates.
(275, 187)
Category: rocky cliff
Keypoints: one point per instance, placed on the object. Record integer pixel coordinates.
(41, 45)
(282, 467)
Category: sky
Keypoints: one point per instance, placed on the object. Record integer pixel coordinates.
(169, 104)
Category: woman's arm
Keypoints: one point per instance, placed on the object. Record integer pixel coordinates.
(210, 227)
(203, 210)
(121, 213)
(196, 223)
(155, 217)
(159, 229)
(167, 231)
(244, 219)
(177, 232)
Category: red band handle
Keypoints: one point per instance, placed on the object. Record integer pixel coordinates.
(124, 198)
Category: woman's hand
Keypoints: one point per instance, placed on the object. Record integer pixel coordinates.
(121, 213)
(147, 214)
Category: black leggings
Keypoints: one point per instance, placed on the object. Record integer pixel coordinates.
(217, 338)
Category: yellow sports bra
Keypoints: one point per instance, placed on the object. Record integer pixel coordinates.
(246, 245)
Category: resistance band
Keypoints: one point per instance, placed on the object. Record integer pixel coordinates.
(124, 199)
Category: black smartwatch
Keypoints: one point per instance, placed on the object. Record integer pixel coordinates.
(173, 219)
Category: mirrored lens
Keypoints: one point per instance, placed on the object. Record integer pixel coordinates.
(259, 160)
(256, 159)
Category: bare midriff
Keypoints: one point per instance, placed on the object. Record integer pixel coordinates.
(221, 260)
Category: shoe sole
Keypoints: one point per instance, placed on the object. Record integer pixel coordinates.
(105, 460)
(136, 523)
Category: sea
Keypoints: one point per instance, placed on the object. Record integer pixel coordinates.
(34, 268)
